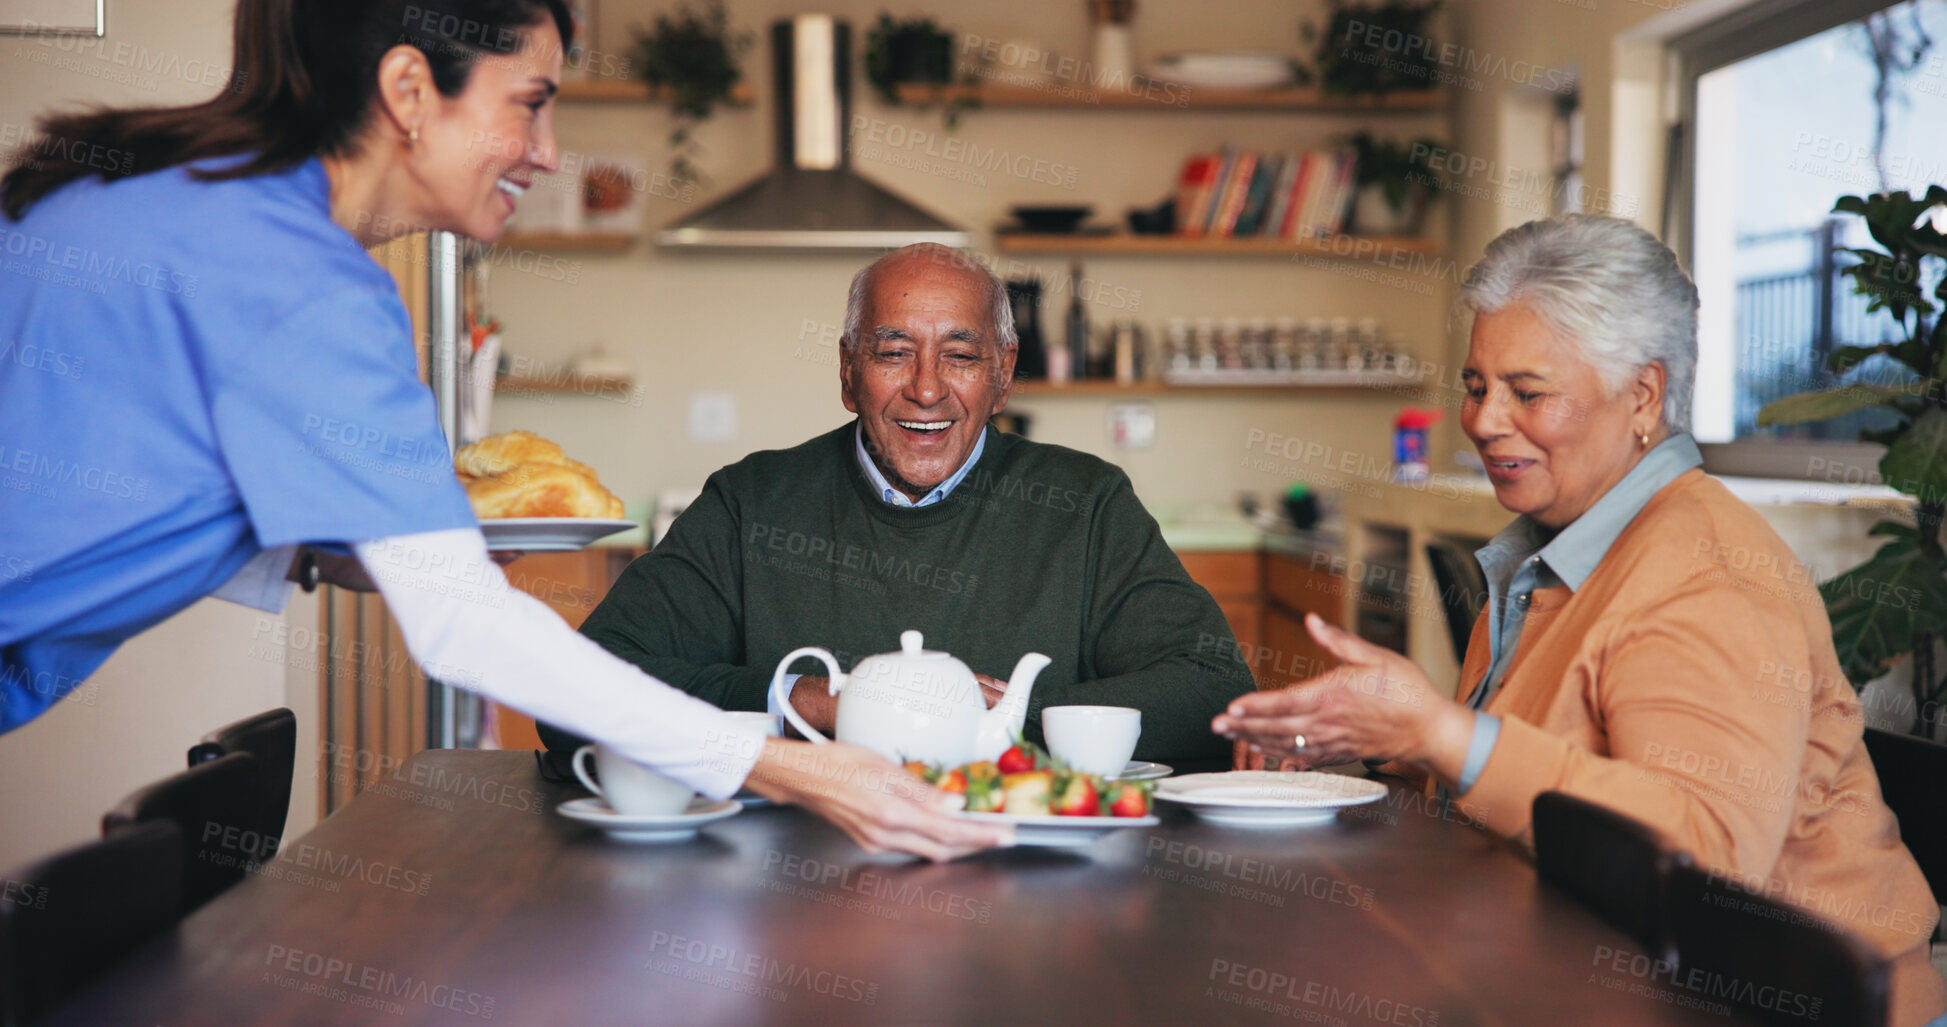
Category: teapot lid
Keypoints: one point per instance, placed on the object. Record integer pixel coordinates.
(912, 643)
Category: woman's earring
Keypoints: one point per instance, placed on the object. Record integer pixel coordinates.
(1644, 437)
(412, 138)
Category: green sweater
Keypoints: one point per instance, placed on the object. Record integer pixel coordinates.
(1039, 549)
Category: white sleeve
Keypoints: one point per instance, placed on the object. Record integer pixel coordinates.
(468, 627)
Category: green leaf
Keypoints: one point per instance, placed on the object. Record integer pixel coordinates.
(1845, 358)
(1916, 464)
(1823, 406)
(1878, 608)
(1850, 205)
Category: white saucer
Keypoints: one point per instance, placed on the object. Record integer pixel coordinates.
(750, 800)
(1265, 798)
(547, 534)
(670, 827)
(1059, 831)
(1143, 770)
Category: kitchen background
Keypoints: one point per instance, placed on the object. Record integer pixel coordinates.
(761, 329)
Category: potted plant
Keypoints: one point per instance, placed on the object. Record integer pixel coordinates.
(1348, 65)
(1394, 181)
(1872, 631)
(694, 55)
(912, 50)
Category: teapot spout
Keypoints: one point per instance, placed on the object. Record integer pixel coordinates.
(999, 725)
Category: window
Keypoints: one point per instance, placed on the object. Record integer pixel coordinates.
(1793, 105)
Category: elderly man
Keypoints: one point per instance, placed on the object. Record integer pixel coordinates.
(919, 516)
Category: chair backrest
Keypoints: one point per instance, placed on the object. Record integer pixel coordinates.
(67, 918)
(272, 738)
(1769, 961)
(216, 807)
(1913, 780)
(1614, 864)
(1463, 591)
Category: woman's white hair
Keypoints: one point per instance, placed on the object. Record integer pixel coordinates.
(1606, 287)
(1000, 312)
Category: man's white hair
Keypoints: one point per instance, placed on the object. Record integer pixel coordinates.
(1000, 312)
(1606, 287)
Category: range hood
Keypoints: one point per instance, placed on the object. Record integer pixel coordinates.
(812, 200)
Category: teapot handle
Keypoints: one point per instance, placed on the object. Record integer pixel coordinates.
(783, 694)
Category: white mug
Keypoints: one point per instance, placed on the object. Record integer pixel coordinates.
(630, 788)
(1093, 739)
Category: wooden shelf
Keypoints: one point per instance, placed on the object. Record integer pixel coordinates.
(574, 384)
(1348, 247)
(1098, 389)
(1171, 98)
(592, 242)
(633, 90)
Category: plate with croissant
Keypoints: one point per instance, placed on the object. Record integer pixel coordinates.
(530, 496)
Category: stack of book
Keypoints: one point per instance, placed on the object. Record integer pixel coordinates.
(1238, 194)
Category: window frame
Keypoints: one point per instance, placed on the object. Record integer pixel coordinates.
(1746, 32)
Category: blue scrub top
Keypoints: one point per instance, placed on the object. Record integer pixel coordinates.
(191, 372)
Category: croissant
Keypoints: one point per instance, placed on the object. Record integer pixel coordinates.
(521, 474)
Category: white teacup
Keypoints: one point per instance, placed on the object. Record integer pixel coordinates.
(630, 788)
(1093, 739)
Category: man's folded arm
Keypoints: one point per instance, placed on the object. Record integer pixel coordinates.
(1154, 639)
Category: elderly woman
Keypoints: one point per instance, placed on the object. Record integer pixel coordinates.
(1649, 640)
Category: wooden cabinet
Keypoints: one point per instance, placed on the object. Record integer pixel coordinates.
(1265, 596)
(1234, 580)
(571, 584)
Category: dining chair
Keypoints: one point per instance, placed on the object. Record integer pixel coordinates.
(1463, 591)
(67, 918)
(1770, 961)
(216, 807)
(1910, 774)
(272, 738)
(1612, 863)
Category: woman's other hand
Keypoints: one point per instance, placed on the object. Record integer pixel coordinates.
(1377, 706)
(880, 805)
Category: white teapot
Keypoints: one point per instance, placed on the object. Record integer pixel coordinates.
(917, 704)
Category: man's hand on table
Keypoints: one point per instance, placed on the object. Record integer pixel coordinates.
(880, 805)
(811, 697)
(1377, 705)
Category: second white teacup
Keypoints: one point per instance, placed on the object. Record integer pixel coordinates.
(630, 788)
(1093, 739)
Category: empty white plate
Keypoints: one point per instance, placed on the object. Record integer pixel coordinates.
(1060, 831)
(547, 534)
(1264, 798)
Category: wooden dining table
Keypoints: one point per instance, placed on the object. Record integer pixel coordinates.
(452, 893)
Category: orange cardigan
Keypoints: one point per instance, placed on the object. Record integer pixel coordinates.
(1691, 683)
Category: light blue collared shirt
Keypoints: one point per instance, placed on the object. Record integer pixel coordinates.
(897, 498)
(1524, 557)
(894, 497)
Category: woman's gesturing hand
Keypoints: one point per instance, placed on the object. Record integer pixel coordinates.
(1377, 705)
(879, 804)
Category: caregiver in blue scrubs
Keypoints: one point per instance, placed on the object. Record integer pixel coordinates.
(204, 378)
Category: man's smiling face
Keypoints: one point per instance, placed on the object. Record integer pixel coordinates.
(927, 368)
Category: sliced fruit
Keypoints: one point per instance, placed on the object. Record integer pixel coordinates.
(1029, 792)
(952, 781)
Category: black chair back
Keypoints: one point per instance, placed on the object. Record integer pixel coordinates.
(216, 806)
(1913, 780)
(272, 738)
(66, 919)
(1769, 961)
(1463, 591)
(1613, 864)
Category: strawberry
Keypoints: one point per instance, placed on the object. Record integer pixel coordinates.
(1028, 792)
(1016, 760)
(1077, 796)
(983, 787)
(952, 781)
(1129, 799)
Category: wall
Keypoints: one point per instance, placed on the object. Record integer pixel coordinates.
(763, 328)
(131, 723)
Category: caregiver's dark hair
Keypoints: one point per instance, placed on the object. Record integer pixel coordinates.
(302, 80)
